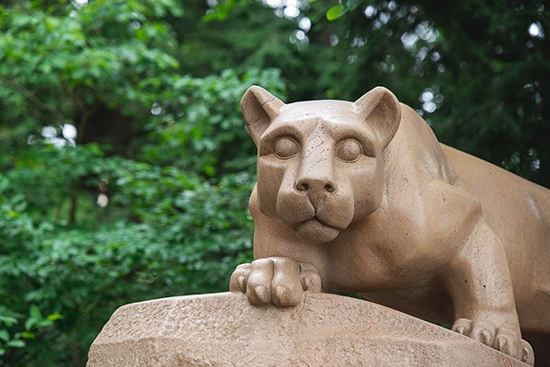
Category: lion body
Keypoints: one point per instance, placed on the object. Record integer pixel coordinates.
(409, 223)
(400, 254)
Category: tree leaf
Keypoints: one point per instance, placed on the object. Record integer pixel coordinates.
(335, 12)
(4, 183)
(55, 316)
(28, 335)
(4, 335)
(35, 312)
(9, 321)
(16, 343)
(45, 322)
(31, 321)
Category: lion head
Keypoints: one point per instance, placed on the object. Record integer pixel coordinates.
(320, 163)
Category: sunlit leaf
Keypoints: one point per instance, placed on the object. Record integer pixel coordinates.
(335, 12)
(55, 316)
(28, 335)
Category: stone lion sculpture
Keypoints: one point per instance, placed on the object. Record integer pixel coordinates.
(361, 197)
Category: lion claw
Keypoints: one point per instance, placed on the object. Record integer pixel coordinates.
(505, 340)
(279, 281)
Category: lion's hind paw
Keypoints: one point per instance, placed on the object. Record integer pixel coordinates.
(503, 339)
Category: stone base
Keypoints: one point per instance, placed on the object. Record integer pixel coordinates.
(324, 330)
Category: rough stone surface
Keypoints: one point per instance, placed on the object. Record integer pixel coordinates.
(224, 329)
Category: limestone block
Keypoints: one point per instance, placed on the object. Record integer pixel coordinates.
(224, 329)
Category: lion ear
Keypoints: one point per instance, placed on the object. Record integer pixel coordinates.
(259, 108)
(381, 110)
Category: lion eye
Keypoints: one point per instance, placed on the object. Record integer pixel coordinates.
(348, 150)
(286, 148)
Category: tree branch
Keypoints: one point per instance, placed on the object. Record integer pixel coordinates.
(31, 97)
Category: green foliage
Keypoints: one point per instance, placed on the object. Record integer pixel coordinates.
(67, 61)
(223, 9)
(185, 237)
(147, 200)
(17, 340)
(199, 121)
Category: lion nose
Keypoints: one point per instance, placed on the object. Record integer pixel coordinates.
(315, 185)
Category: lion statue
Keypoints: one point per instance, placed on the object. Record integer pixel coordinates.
(361, 197)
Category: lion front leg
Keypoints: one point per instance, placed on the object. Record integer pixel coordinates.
(480, 286)
(276, 280)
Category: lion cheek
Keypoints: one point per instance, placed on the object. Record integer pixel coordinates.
(369, 192)
(270, 180)
(365, 207)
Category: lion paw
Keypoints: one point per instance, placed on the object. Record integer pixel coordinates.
(280, 281)
(503, 339)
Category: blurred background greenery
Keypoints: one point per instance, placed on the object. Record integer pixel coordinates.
(125, 166)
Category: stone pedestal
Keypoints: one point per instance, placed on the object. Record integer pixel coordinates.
(324, 330)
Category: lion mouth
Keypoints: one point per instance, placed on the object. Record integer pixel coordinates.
(314, 230)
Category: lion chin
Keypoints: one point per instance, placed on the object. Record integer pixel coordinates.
(315, 231)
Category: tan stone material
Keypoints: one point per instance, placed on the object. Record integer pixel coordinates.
(361, 197)
(324, 330)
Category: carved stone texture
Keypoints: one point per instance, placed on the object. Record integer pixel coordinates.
(324, 330)
(361, 197)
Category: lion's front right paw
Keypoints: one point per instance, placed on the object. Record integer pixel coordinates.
(276, 280)
(503, 339)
